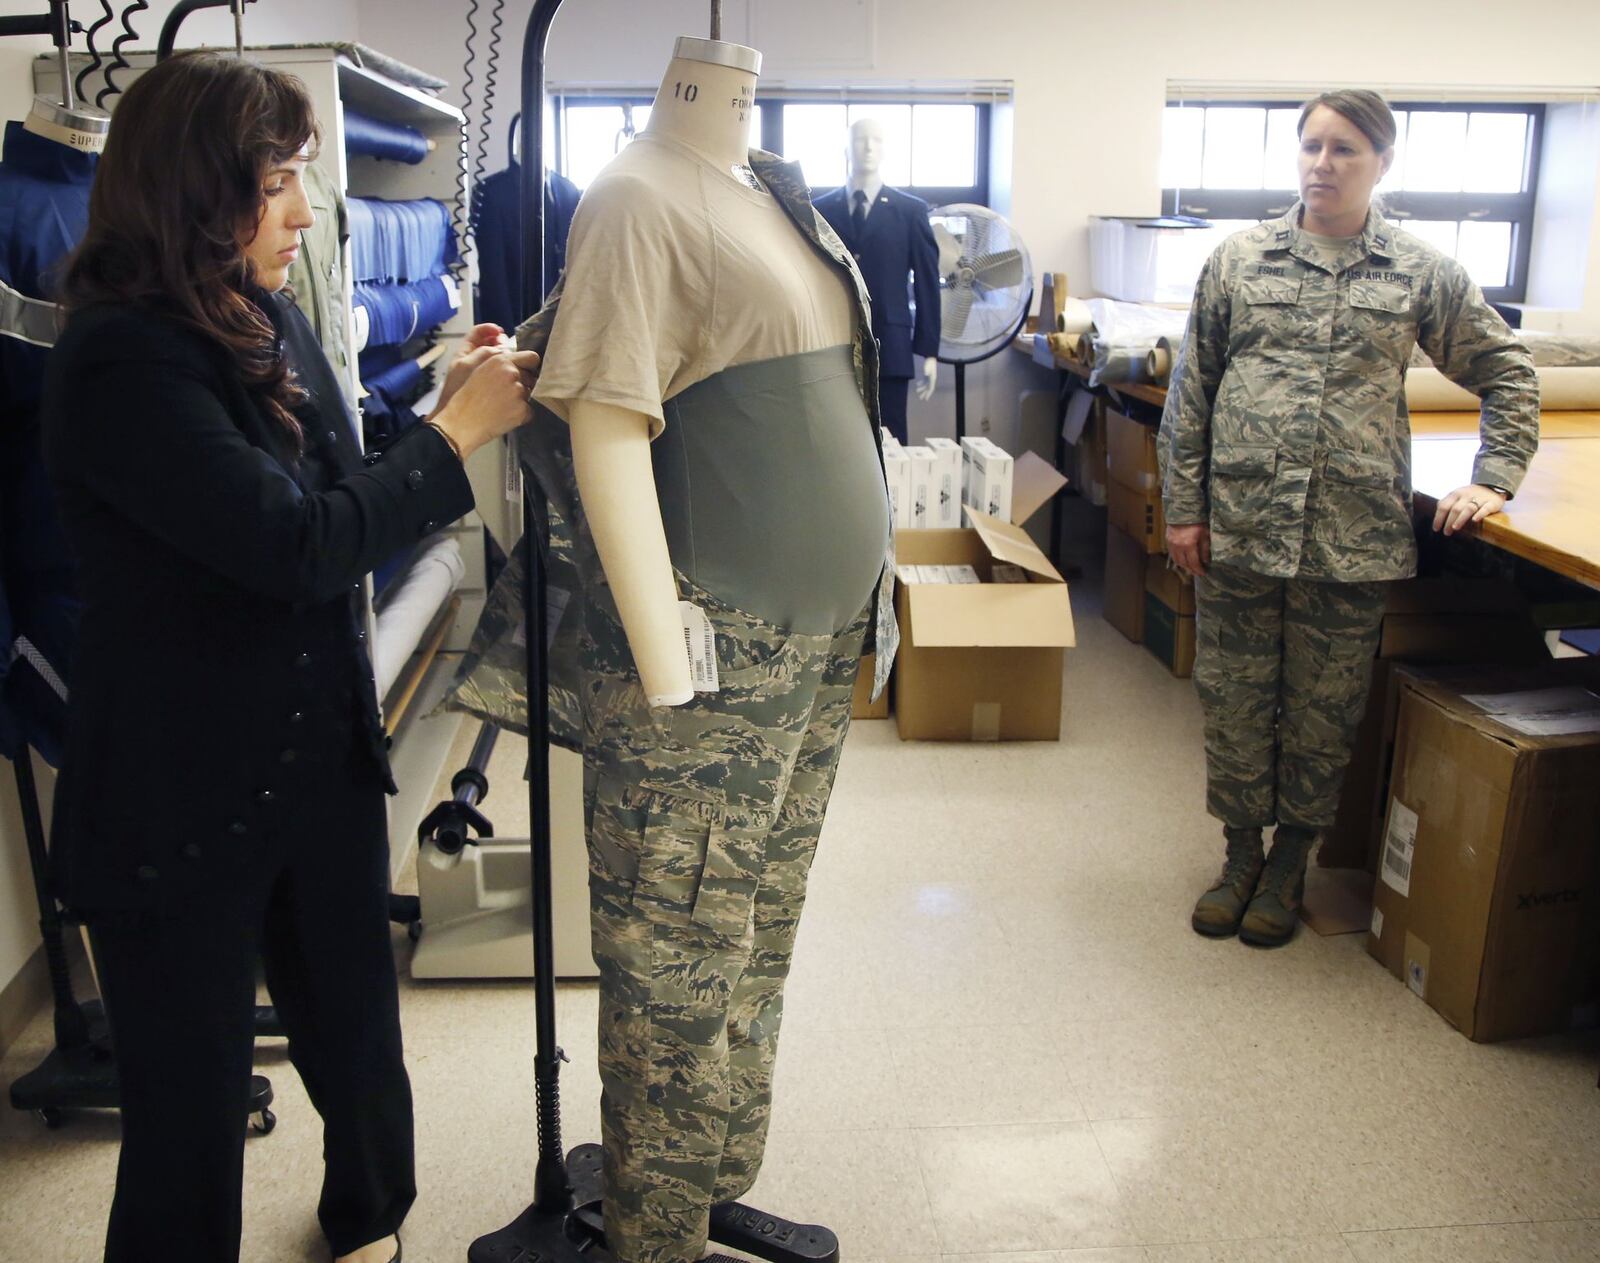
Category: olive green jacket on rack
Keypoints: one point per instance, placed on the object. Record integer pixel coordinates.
(491, 682)
(1286, 429)
(317, 275)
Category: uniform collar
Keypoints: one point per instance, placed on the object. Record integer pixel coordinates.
(871, 185)
(1375, 240)
(46, 159)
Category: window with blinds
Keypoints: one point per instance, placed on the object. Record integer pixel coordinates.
(937, 150)
(1464, 175)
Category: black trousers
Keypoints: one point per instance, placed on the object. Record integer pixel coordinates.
(892, 393)
(310, 902)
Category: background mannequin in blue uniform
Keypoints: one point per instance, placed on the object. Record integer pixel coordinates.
(45, 176)
(889, 234)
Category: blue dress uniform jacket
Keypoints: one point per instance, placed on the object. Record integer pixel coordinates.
(497, 217)
(44, 208)
(898, 242)
(220, 579)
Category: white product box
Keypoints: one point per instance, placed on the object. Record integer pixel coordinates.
(988, 477)
(924, 498)
(961, 574)
(1003, 573)
(947, 480)
(897, 471)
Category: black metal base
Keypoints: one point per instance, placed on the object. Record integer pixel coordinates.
(542, 1237)
(85, 1078)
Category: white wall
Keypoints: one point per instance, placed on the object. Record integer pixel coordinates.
(277, 21)
(1070, 63)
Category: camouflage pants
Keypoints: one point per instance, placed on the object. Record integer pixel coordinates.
(1282, 667)
(703, 820)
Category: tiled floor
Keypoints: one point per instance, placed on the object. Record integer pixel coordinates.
(1003, 1043)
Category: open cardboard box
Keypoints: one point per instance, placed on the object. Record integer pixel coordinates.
(982, 662)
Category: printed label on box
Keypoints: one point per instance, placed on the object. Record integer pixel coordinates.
(1377, 923)
(1399, 848)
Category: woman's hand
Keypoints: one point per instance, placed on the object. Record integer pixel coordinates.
(494, 400)
(484, 340)
(1466, 505)
(1190, 548)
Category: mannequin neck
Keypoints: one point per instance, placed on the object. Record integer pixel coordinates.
(706, 107)
(55, 122)
(869, 181)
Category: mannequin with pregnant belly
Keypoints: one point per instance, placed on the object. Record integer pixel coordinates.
(704, 355)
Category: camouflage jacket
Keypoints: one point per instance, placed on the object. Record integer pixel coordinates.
(1286, 427)
(491, 682)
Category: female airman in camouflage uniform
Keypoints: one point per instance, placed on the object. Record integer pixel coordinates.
(1286, 468)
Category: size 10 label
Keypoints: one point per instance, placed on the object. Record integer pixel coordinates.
(701, 643)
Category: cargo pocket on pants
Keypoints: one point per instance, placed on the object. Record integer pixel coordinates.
(725, 901)
(696, 870)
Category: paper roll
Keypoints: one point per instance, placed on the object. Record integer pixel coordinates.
(1072, 316)
(1064, 346)
(1561, 389)
(410, 605)
(1158, 364)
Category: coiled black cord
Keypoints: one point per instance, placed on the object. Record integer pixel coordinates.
(460, 213)
(491, 73)
(107, 16)
(118, 61)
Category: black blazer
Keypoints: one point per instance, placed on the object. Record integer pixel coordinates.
(219, 575)
(898, 242)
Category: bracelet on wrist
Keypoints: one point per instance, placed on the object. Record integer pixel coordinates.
(445, 435)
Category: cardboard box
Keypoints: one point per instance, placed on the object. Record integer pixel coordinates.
(1131, 452)
(862, 706)
(1126, 562)
(1169, 635)
(1172, 588)
(988, 474)
(1487, 899)
(897, 473)
(981, 662)
(924, 496)
(1137, 514)
(1439, 621)
(947, 481)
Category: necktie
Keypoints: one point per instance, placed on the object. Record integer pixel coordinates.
(858, 215)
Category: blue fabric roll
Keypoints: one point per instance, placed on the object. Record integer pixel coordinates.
(397, 313)
(378, 138)
(393, 383)
(398, 242)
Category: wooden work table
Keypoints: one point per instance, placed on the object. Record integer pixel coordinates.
(1554, 521)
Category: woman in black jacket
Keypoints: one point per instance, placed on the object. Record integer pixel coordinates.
(221, 799)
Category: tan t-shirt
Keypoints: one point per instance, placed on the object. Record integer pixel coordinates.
(1327, 249)
(675, 271)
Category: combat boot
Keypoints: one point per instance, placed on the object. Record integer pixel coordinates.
(1218, 912)
(1270, 919)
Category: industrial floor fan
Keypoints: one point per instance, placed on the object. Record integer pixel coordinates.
(985, 289)
(563, 1224)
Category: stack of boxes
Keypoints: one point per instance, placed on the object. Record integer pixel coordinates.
(925, 484)
(1144, 599)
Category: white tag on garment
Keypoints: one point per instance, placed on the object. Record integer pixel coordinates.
(701, 642)
(452, 291)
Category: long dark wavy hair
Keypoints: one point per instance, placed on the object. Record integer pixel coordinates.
(177, 197)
